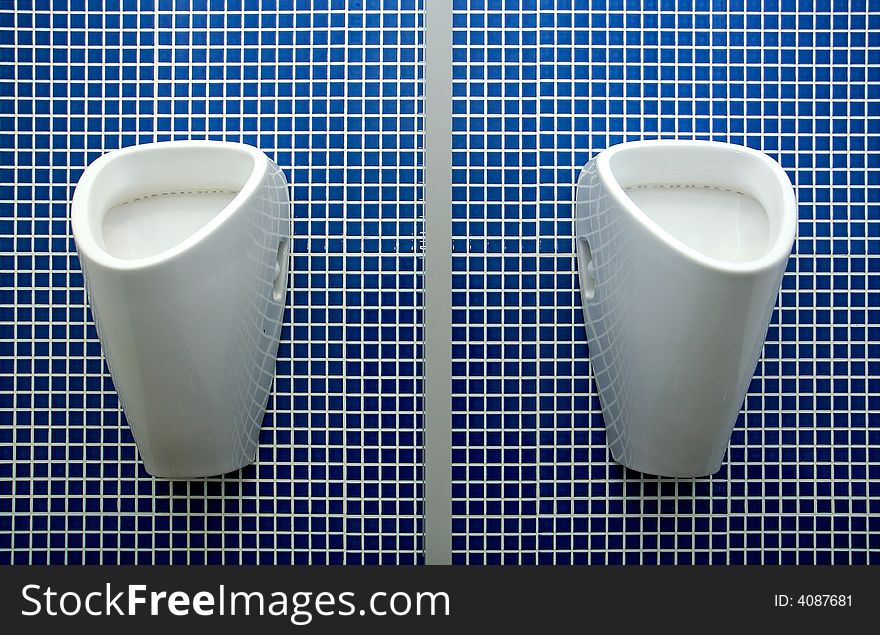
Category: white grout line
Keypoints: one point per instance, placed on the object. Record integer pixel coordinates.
(438, 282)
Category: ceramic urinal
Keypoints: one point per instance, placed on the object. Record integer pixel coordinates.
(681, 247)
(185, 251)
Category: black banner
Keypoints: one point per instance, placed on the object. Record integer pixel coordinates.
(433, 599)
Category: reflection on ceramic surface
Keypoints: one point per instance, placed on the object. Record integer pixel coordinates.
(185, 249)
(681, 250)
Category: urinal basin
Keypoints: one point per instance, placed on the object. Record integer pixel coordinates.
(681, 249)
(184, 248)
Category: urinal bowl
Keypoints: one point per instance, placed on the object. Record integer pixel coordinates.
(185, 250)
(681, 249)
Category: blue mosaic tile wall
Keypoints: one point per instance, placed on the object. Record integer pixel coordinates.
(540, 86)
(330, 89)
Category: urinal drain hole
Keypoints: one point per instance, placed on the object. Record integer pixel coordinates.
(586, 269)
(682, 186)
(196, 191)
(281, 267)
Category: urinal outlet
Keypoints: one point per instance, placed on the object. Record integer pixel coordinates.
(586, 270)
(282, 263)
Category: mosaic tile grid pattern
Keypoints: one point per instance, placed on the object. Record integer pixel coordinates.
(539, 87)
(330, 90)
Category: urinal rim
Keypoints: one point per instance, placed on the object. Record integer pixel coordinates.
(782, 244)
(88, 245)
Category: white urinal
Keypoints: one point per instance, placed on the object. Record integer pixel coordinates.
(681, 247)
(185, 249)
